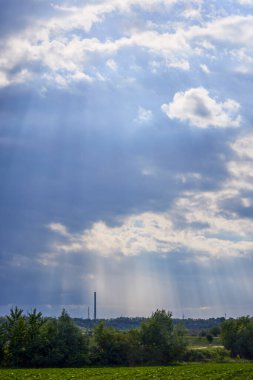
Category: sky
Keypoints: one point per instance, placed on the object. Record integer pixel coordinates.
(126, 160)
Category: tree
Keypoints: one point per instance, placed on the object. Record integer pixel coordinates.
(237, 336)
(110, 346)
(209, 338)
(215, 331)
(35, 341)
(161, 342)
(64, 343)
(15, 337)
(2, 340)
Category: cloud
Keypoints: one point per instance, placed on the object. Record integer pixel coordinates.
(126, 200)
(244, 60)
(192, 13)
(66, 57)
(199, 109)
(205, 68)
(84, 17)
(144, 116)
(20, 77)
(233, 29)
(243, 146)
(66, 51)
(112, 64)
(59, 228)
(156, 233)
(245, 2)
(241, 167)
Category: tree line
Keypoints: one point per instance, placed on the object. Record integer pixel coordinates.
(35, 341)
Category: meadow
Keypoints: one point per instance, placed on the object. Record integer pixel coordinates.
(211, 371)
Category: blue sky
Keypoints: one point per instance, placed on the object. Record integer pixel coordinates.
(126, 156)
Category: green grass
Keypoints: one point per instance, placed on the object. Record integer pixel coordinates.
(211, 371)
(201, 341)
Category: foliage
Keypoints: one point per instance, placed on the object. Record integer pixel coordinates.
(156, 342)
(193, 326)
(110, 346)
(32, 341)
(207, 354)
(209, 338)
(209, 371)
(237, 336)
(201, 341)
(161, 342)
(215, 331)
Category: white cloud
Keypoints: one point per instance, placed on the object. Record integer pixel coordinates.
(205, 68)
(192, 13)
(84, 17)
(241, 168)
(199, 109)
(205, 231)
(59, 228)
(144, 116)
(244, 59)
(245, 2)
(19, 77)
(64, 55)
(152, 232)
(3, 79)
(180, 64)
(112, 64)
(243, 147)
(236, 30)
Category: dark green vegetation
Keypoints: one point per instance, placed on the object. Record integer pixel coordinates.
(34, 341)
(237, 336)
(193, 326)
(213, 371)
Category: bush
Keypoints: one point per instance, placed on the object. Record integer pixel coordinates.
(214, 354)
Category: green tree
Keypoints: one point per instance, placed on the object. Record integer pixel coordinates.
(215, 331)
(15, 337)
(237, 336)
(161, 342)
(109, 346)
(35, 341)
(65, 345)
(2, 340)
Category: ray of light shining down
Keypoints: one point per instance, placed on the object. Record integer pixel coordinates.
(126, 156)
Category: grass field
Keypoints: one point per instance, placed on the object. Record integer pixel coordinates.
(201, 341)
(211, 371)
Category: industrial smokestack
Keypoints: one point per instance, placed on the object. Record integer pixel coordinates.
(95, 306)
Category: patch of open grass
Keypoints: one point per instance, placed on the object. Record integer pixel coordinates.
(201, 341)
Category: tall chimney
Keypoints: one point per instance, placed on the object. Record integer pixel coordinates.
(95, 306)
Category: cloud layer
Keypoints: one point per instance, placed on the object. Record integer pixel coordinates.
(125, 156)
